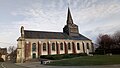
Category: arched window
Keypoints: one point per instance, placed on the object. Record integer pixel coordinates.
(34, 47)
(53, 46)
(83, 47)
(78, 46)
(61, 46)
(69, 46)
(87, 45)
(44, 47)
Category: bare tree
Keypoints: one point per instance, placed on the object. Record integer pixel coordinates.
(104, 42)
(12, 51)
(109, 43)
(116, 39)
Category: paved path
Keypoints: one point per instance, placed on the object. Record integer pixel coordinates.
(0, 64)
(10, 65)
(38, 65)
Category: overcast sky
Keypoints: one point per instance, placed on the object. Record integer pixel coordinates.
(92, 16)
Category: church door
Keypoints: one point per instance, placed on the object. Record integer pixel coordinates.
(34, 55)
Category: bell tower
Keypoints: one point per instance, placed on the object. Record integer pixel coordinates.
(70, 28)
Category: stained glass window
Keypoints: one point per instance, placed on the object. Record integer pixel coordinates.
(44, 46)
(87, 45)
(61, 46)
(53, 46)
(69, 46)
(78, 46)
(34, 47)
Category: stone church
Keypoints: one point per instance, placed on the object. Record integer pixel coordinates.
(33, 44)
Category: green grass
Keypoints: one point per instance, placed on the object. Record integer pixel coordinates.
(89, 60)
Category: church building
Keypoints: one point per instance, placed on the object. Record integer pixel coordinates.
(32, 44)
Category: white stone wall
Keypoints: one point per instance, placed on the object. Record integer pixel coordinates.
(61, 51)
(41, 41)
(4, 57)
(20, 50)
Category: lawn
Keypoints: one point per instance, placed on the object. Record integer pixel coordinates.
(88, 60)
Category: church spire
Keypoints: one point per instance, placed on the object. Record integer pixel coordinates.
(69, 17)
(70, 29)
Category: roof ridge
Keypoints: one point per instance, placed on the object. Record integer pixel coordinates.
(43, 31)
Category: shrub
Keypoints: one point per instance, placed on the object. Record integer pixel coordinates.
(62, 56)
(1, 60)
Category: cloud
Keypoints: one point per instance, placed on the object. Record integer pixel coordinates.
(92, 17)
(96, 11)
(39, 20)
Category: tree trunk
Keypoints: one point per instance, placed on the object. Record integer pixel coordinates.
(104, 51)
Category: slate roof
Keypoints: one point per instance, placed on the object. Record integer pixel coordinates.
(51, 35)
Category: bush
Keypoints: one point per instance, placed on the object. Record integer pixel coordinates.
(62, 56)
(83, 54)
(1, 60)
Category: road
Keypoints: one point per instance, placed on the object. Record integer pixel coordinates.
(38, 65)
(10, 65)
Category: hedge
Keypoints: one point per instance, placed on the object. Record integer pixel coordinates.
(62, 56)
